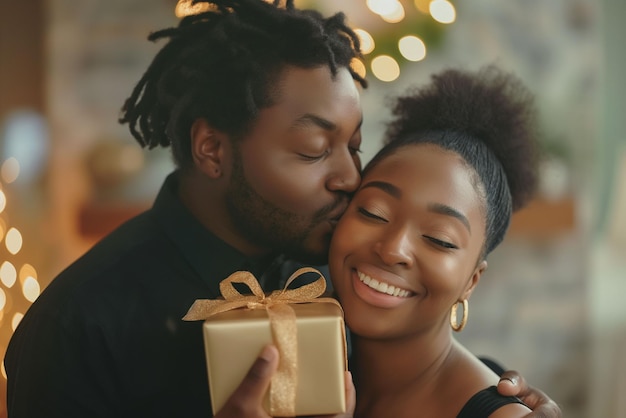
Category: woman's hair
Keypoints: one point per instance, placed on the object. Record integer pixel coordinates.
(488, 118)
(222, 64)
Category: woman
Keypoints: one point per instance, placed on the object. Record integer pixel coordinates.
(412, 246)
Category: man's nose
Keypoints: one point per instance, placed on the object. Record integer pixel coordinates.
(346, 173)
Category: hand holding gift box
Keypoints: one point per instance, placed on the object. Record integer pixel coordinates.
(307, 330)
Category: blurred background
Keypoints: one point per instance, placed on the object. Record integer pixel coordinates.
(551, 304)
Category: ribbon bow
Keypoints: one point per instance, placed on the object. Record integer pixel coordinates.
(282, 323)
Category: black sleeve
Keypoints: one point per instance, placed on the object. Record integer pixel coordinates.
(56, 369)
(493, 365)
(485, 403)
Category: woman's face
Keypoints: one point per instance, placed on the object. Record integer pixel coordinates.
(408, 246)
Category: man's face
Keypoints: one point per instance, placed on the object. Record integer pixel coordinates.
(293, 172)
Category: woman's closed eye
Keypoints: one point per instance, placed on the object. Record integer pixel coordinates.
(371, 215)
(441, 243)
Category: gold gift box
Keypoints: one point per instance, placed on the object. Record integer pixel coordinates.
(234, 339)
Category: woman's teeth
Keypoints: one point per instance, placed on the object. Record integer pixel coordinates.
(383, 287)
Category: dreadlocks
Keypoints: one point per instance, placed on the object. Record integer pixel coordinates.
(220, 65)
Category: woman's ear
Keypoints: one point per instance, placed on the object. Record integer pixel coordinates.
(209, 148)
(471, 285)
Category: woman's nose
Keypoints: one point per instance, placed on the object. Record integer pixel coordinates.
(395, 248)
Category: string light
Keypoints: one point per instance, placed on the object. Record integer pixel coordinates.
(13, 241)
(17, 318)
(385, 68)
(382, 7)
(367, 40)
(412, 48)
(8, 274)
(442, 11)
(10, 170)
(413, 24)
(358, 67)
(397, 15)
(29, 287)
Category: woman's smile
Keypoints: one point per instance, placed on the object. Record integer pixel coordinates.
(375, 291)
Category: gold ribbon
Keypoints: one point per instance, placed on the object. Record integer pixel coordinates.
(282, 323)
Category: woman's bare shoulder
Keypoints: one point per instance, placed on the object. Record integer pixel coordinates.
(512, 410)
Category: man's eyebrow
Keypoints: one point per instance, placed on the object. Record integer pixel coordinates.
(308, 118)
(449, 211)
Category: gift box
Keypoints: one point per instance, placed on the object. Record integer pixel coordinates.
(307, 330)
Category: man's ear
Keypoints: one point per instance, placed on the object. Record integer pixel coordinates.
(209, 148)
(473, 281)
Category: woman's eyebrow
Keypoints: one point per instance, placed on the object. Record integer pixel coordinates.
(450, 211)
(386, 187)
(439, 208)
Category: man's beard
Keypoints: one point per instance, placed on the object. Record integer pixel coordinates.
(269, 226)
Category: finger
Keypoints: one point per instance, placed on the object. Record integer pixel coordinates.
(542, 406)
(247, 400)
(350, 395)
(512, 384)
(550, 410)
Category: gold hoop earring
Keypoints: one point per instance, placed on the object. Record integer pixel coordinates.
(453, 315)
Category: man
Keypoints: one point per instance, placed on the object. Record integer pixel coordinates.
(260, 108)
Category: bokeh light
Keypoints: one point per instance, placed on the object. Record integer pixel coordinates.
(17, 318)
(367, 41)
(3, 201)
(382, 7)
(385, 68)
(412, 48)
(442, 11)
(10, 170)
(396, 16)
(13, 241)
(31, 289)
(8, 274)
(358, 67)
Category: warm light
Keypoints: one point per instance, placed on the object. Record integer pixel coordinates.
(358, 67)
(3, 229)
(3, 299)
(367, 41)
(3, 371)
(382, 7)
(27, 270)
(10, 170)
(396, 16)
(31, 289)
(13, 241)
(442, 11)
(3, 201)
(186, 8)
(385, 68)
(422, 5)
(412, 48)
(8, 274)
(17, 317)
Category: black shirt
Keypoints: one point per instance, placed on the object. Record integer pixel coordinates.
(106, 339)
